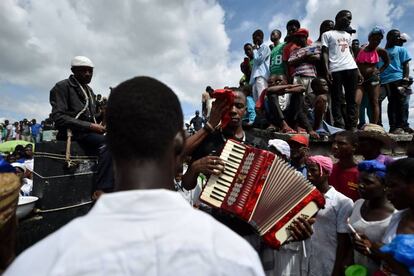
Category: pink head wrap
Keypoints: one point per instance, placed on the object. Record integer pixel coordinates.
(323, 162)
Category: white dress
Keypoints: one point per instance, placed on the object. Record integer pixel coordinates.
(374, 230)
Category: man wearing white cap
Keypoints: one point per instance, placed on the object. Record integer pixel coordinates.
(74, 112)
(73, 101)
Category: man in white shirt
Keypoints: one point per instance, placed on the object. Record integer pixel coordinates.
(144, 228)
(342, 70)
(260, 71)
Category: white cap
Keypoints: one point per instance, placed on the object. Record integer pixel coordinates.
(19, 165)
(81, 61)
(405, 37)
(281, 146)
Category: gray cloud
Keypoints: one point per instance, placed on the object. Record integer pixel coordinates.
(180, 42)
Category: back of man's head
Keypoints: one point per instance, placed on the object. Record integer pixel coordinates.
(143, 117)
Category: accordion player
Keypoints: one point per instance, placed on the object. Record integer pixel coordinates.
(263, 190)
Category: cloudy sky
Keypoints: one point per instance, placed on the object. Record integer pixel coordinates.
(188, 44)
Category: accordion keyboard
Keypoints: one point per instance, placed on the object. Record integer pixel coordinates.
(218, 187)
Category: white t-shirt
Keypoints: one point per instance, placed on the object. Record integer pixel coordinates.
(329, 221)
(374, 230)
(10, 129)
(339, 47)
(141, 232)
(391, 231)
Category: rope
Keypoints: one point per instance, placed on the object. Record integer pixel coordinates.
(61, 158)
(37, 211)
(60, 155)
(62, 175)
(69, 161)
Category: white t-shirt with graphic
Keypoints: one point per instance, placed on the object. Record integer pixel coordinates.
(339, 47)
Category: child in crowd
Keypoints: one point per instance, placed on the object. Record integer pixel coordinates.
(330, 242)
(317, 102)
(344, 175)
(303, 59)
(250, 115)
(276, 63)
(299, 152)
(247, 64)
(282, 103)
(260, 71)
(372, 213)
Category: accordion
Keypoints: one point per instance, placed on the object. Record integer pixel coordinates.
(263, 190)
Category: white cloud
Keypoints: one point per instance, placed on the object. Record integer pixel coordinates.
(181, 42)
(279, 21)
(366, 14)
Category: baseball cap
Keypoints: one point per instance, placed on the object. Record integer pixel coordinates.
(301, 32)
(301, 139)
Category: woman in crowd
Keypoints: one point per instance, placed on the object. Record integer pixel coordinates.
(367, 59)
(372, 213)
(400, 183)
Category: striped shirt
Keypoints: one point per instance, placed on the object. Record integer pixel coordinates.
(304, 69)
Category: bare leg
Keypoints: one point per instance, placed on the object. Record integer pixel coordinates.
(373, 95)
(358, 98)
(319, 110)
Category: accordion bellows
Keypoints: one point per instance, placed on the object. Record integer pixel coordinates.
(262, 189)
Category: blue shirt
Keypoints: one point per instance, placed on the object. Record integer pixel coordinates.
(251, 111)
(35, 129)
(260, 63)
(394, 72)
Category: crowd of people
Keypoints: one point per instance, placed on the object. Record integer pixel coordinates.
(304, 86)
(25, 130)
(140, 224)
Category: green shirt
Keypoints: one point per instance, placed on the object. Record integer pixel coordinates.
(276, 63)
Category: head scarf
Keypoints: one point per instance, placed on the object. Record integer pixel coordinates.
(324, 163)
(373, 166)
